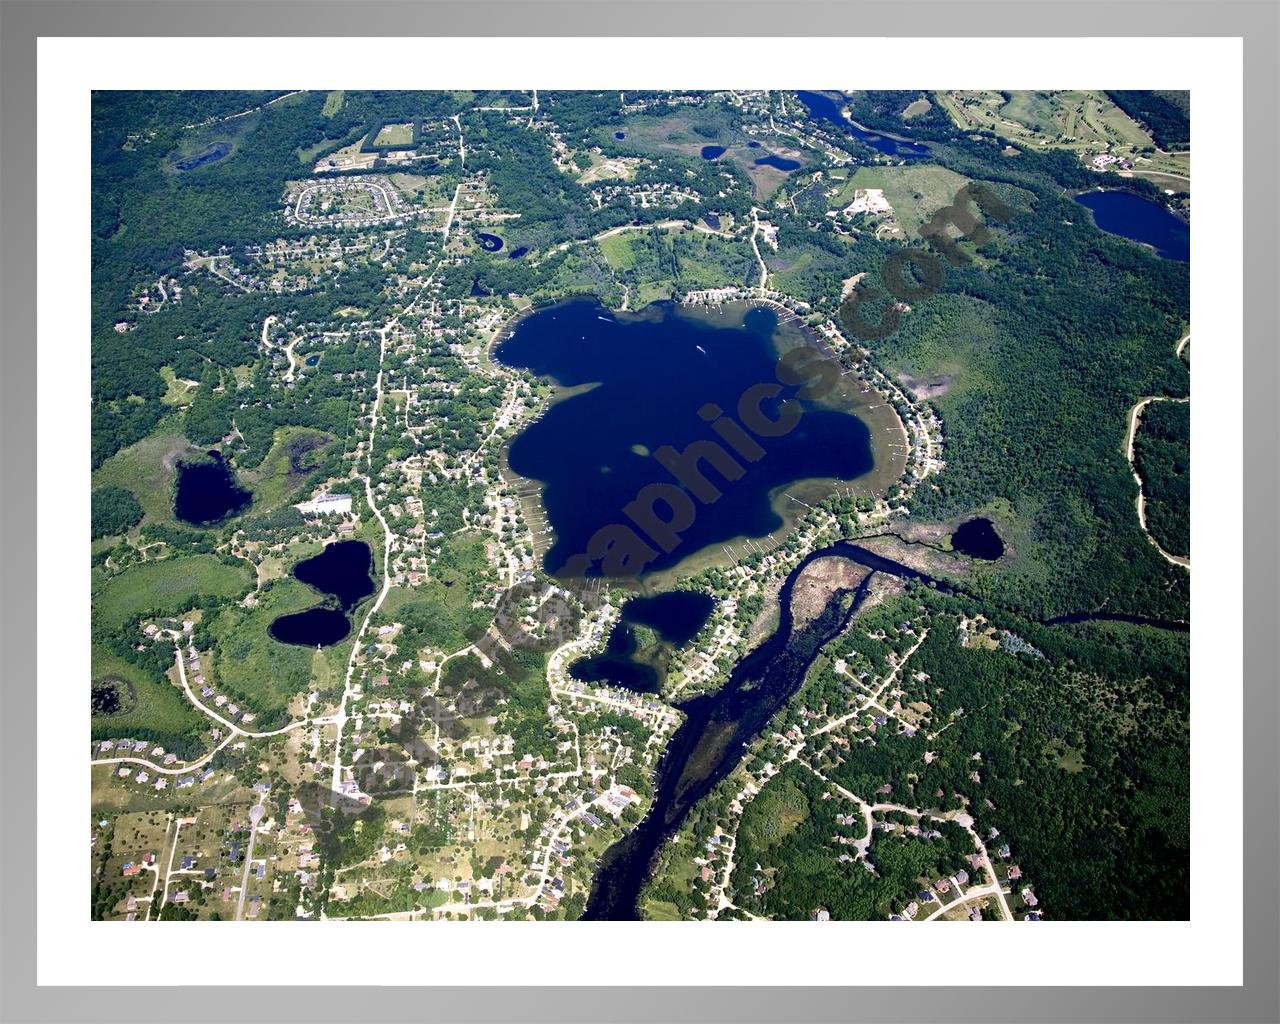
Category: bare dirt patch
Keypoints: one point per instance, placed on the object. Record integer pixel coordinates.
(820, 579)
(927, 387)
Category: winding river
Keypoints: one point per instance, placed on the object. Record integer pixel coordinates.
(719, 726)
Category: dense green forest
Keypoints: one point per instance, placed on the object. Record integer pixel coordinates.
(1162, 458)
(1070, 742)
(1045, 336)
(113, 510)
(1167, 115)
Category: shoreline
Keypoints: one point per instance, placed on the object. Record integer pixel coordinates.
(867, 404)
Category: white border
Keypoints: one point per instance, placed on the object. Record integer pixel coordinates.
(73, 950)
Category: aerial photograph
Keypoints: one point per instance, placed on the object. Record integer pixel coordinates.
(640, 506)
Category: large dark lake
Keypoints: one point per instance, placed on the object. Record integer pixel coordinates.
(342, 571)
(207, 491)
(648, 380)
(1140, 220)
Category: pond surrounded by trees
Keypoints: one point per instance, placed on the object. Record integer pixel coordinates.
(977, 538)
(207, 491)
(212, 154)
(1140, 220)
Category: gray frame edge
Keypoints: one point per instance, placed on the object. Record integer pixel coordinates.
(1257, 21)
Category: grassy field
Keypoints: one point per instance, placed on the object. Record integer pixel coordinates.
(395, 135)
(278, 480)
(333, 102)
(442, 604)
(170, 585)
(177, 392)
(660, 910)
(917, 107)
(249, 665)
(703, 261)
(1085, 121)
(617, 251)
(1074, 119)
(157, 705)
(916, 193)
(147, 468)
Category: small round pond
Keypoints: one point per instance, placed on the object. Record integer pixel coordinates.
(977, 538)
(207, 491)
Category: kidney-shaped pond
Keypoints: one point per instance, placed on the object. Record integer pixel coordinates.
(342, 571)
(1141, 220)
(675, 437)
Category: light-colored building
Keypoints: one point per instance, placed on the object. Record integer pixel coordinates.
(326, 504)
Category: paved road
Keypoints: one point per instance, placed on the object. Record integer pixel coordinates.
(255, 815)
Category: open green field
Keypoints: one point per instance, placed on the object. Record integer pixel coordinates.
(1085, 121)
(254, 668)
(395, 135)
(438, 612)
(700, 260)
(916, 193)
(109, 794)
(917, 107)
(1174, 181)
(333, 102)
(177, 392)
(158, 708)
(168, 586)
(1086, 118)
(147, 468)
(660, 910)
(617, 251)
